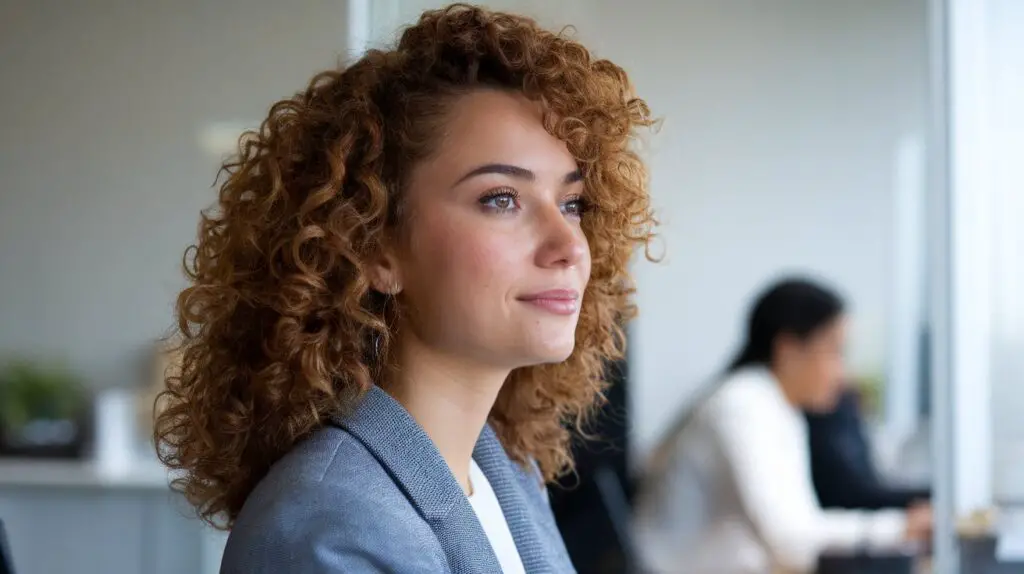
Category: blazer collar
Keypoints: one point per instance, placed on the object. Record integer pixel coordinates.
(507, 479)
(395, 439)
(403, 448)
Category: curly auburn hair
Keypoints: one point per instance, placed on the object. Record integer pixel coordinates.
(280, 328)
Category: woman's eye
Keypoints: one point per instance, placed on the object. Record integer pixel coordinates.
(501, 201)
(575, 207)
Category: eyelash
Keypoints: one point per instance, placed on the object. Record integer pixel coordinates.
(508, 192)
(500, 192)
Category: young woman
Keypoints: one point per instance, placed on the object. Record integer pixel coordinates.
(415, 275)
(729, 490)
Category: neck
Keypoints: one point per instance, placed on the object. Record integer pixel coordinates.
(449, 398)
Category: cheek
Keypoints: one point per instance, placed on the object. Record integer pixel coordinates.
(816, 375)
(459, 260)
(837, 367)
(830, 374)
(585, 262)
(825, 372)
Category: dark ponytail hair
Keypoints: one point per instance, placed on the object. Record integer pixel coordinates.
(796, 307)
(792, 306)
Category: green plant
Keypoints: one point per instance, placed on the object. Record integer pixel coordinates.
(31, 392)
(871, 388)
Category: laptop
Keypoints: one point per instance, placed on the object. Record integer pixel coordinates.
(6, 562)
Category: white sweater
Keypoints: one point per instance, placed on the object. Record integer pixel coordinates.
(735, 493)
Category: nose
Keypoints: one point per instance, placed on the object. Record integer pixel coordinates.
(562, 241)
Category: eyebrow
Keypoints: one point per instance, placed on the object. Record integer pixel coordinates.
(516, 172)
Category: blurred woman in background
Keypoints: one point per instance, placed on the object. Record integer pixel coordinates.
(729, 491)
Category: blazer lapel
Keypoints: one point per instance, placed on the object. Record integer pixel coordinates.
(538, 550)
(403, 448)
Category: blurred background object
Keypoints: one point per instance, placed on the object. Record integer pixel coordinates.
(43, 412)
(164, 362)
(592, 504)
(6, 563)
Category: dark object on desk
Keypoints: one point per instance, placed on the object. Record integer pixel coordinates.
(46, 439)
(841, 465)
(978, 556)
(866, 564)
(6, 562)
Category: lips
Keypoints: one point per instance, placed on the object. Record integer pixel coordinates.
(556, 301)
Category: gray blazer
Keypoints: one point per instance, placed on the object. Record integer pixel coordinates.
(371, 493)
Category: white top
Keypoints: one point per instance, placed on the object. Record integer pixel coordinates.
(491, 517)
(735, 495)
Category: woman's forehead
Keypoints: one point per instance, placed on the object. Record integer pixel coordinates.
(489, 126)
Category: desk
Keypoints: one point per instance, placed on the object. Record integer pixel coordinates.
(72, 517)
(978, 537)
(40, 473)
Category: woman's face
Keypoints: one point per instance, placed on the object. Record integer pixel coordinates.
(493, 263)
(815, 367)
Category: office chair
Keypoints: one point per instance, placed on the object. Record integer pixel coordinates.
(616, 504)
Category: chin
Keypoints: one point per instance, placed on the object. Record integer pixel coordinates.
(552, 354)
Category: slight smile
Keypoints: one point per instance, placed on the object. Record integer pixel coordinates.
(557, 301)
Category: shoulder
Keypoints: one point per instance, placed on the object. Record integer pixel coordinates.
(749, 404)
(744, 389)
(328, 506)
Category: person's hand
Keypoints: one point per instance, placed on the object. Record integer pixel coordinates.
(919, 522)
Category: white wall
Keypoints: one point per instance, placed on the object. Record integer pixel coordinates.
(782, 120)
(102, 175)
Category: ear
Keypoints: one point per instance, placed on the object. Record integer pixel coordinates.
(384, 273)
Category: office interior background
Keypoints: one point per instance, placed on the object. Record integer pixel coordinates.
(873, 143)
